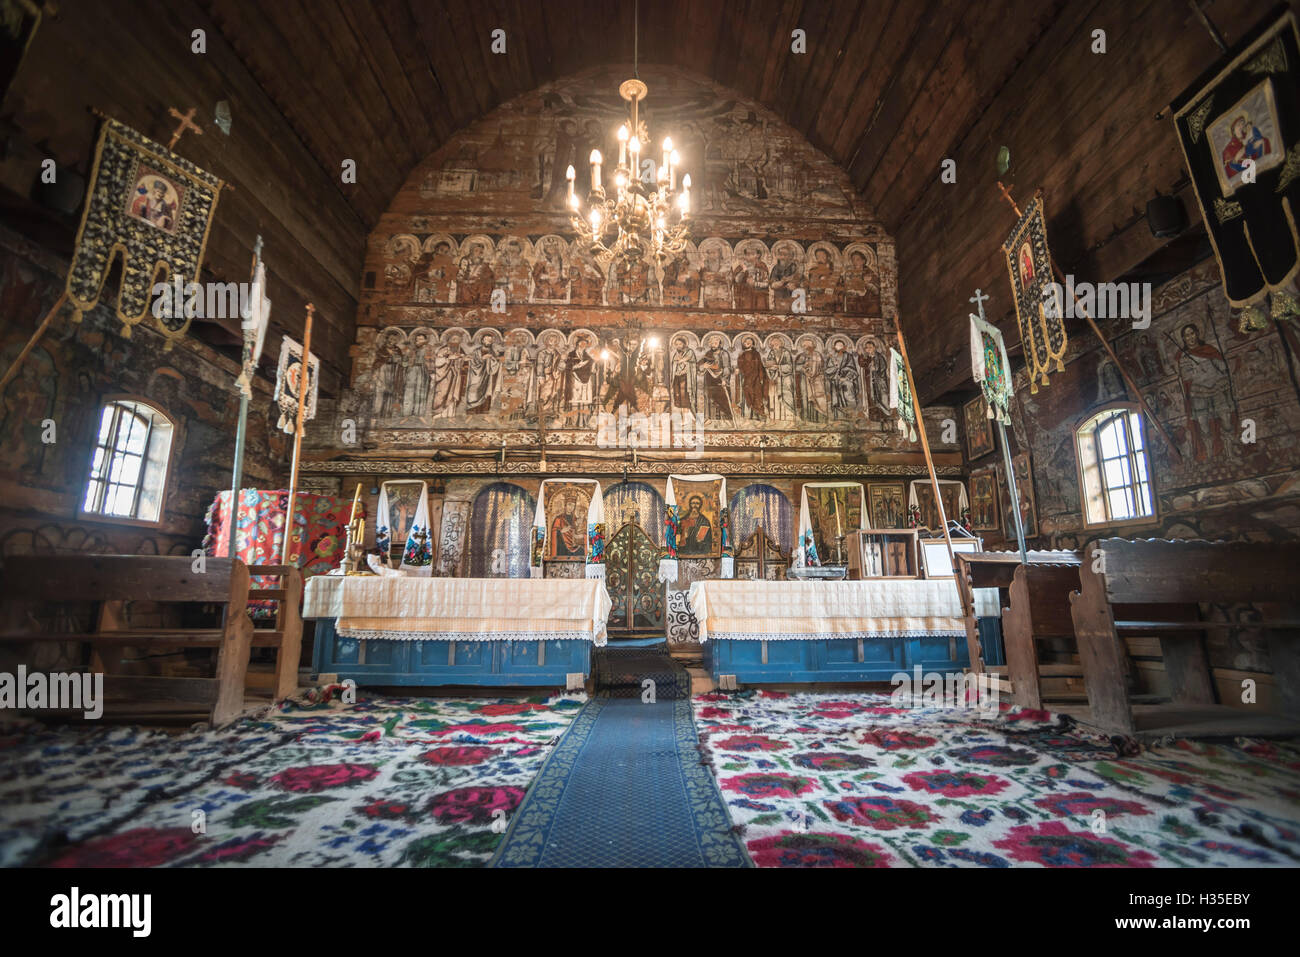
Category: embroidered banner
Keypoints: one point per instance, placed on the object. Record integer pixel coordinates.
(155, 208)
(900, 395)
(990, 368)
(1042, 321)
(1239, 129)
(288, 379)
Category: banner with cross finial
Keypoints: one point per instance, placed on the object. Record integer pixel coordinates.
(1041, 319)
(988, 362)
(153, 207)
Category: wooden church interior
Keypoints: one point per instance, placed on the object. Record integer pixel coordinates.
(640, 381)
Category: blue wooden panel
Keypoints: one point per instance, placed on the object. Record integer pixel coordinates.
(835, 659)
(432, 663)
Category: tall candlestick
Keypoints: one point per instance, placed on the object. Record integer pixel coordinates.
(356, 500)
(839, 531)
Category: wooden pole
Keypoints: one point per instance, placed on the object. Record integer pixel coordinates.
(241, 428)
(1013, 493)
(303, 376)
(977, 659)
(1128, 380)
(36, 337)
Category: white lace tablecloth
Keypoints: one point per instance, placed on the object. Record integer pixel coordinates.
(773, 611)
(460, 609)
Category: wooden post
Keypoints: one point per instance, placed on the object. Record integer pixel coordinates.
(303, 376)
(241, 428)
(977, 659)
(36, 337)
(1128, 380)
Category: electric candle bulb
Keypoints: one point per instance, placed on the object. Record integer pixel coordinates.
(569, 174)
(634, 146)
(595, 219)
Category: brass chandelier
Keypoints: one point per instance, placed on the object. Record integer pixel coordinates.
(648, 211)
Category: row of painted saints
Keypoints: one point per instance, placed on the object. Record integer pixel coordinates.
(570, 376)
(822, 278)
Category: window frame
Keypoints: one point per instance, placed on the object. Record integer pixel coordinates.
(1087, 428)
(88, 475)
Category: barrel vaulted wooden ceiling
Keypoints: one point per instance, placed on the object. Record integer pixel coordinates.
(887, 88)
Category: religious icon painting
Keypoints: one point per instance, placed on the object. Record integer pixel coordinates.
(984, 500)
(403, 506)
(566, 521)
(155, 199)
(833, 511)
(1025, 490)
(699, 520)
(288, 385)
(1238, 133)
(1039, 309)
(888, 505)
(979, 428)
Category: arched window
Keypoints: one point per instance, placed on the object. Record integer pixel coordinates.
(501, 528)
(634, 502)
(1114, 471)
(128, 472)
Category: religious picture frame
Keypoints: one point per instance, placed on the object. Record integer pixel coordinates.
(403, 505)
(978, 428)
(823, 505)
(1025, 489)
(566, 521)
(699, 521)
(984, 500)
(887, 504)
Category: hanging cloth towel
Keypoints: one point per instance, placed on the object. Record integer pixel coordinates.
(417, 556)
(595, 567)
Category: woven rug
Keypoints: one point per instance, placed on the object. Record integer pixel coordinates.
(385, 782)
(846, 780)
(625, 787)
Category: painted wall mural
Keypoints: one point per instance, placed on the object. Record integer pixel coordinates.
(564, 378)
(482, 317)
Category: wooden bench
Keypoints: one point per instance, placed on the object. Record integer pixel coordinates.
(109, 581)
(286, 635)
(1158, 587)
(1038, 608)
(994, 570)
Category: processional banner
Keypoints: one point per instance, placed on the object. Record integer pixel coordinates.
(569, 525)
(990, 368)
(288, 381)
(1039, 310)
(1239, 129)
(156, 209)
(900, 395)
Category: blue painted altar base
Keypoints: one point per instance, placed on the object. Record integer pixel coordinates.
(798, 661)
(431, 663)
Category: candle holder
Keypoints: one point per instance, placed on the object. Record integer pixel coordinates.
(839, 549)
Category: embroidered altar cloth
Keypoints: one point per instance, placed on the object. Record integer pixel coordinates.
(792, 610)
(461, 609)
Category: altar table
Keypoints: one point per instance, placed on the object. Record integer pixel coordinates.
(773, 631)
(380, 630)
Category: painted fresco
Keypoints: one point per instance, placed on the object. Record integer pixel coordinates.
(1214, 381)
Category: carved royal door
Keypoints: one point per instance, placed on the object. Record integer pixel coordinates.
(632, 578)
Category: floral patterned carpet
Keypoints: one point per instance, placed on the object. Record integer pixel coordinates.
(383, 782)
(845, 780)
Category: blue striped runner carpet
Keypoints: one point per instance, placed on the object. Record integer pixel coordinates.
(624, 788)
